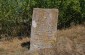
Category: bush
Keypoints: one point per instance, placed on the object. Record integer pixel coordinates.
(16, 15)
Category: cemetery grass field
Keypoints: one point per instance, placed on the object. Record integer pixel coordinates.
(76, 34)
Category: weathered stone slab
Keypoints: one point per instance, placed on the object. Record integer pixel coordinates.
(44, 28)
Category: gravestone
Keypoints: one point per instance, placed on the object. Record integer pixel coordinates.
(44, 28)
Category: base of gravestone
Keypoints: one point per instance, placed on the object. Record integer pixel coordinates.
(45, 51)
(49, 51)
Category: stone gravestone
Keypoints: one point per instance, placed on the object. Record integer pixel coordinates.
(43, 30)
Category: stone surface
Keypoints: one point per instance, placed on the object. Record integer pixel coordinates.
(44, 28)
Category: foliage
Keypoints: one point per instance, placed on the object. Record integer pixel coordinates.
(15, 15)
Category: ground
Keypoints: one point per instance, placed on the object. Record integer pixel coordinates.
(76, 34)
(13, 47)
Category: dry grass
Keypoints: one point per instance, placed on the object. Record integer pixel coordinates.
(73, 40)
(13, 47)
(76, 33)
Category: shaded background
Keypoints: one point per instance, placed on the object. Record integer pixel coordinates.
(16, 15)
